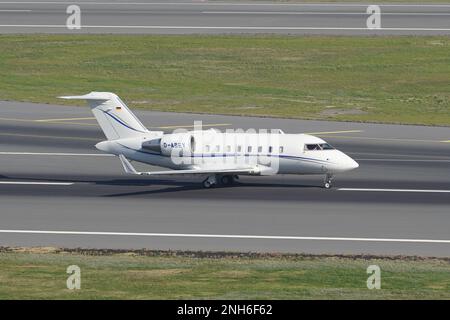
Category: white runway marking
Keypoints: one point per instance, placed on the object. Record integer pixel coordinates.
(57, 154)
(225, 28)
(325, 13)
(232, 236)
(38, 183)
(406, 160)
(425, 157)
(13, 10)
(394, 190)
(228, 4)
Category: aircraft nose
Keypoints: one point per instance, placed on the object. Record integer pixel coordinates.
(342, 163)
(354, 164)
(350, 164)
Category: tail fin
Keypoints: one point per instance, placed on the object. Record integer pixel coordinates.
(113, 116)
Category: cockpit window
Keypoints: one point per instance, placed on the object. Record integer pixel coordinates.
(318, 146)
(326, 146)
(312, 147)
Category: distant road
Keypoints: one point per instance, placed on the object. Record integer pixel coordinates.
(182, 17)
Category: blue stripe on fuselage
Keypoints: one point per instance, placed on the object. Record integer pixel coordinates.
(212, 155)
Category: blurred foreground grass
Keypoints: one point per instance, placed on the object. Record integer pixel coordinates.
(36, 275)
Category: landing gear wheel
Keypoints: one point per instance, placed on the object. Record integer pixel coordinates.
(327, 182)
(207, 184)
(227, 180)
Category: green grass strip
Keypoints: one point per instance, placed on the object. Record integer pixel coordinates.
(371, 79)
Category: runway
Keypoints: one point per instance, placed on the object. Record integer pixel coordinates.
(53, 181)
(218, 17)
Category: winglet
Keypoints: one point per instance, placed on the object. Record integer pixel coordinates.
(127, 165)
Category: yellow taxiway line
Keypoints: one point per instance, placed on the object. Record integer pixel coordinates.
(50, 137)
(61, 121)
(331, 132)
(68, 121)
(386, 139)
(64, 119)
(18, 120)
(192, 126)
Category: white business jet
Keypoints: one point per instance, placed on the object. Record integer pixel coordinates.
(218, 157)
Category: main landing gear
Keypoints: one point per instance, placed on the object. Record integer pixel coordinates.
(219, 180)
(327, 181)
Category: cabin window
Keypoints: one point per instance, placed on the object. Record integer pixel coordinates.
(281, 149)
(259, 149)
(207, 148)
(228, 148)
(270, 149)
(239, 148)
(217, 148)
(193, 144)
(249, 149)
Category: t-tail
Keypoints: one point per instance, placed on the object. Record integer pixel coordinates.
(113, 116)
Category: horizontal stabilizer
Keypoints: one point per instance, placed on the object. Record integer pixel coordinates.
(90, 96)
(113, 115)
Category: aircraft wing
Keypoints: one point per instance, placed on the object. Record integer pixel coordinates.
(131, 170)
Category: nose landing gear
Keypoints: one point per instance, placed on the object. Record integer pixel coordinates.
(327, 181)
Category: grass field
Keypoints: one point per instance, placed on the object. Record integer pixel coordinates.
(34, 274)
(376, 79)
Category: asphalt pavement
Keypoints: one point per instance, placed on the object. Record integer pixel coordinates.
(224, 17)
(56, 189)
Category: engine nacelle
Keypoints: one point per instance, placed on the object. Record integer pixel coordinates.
(177, 144)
